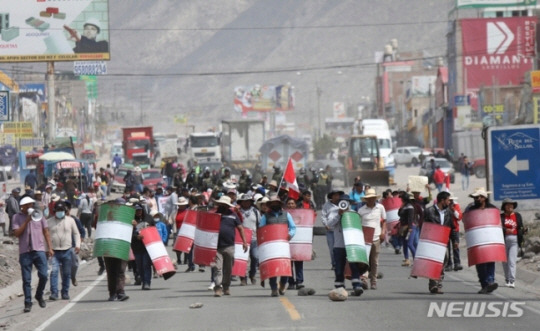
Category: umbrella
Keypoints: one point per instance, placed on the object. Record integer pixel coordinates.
(56, 156)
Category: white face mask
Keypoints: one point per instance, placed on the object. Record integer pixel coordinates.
(60, 214)
(157, 219)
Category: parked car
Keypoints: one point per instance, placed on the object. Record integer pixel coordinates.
(446, 167)
(479, 168)
(410, 155)
(151, 177)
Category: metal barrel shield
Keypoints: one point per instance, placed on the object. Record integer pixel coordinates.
(484, 236)
(206, 238)
(241, 257)
(392, 205)
(431, 250)
(186, 233)
(302, 243)
(274, 251)
(353, 235)
(157, 251)
(113, 231)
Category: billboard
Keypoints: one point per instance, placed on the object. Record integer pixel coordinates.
(496, 51)
(493, 3)
(263, 98)
(52, 30)
(422, 86)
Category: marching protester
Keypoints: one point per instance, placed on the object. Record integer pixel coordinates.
(373, 215)
(485, 271)
(453, 250)
(408, 227)
(440, 214)
(251, 217)
(34, 248)
(63, 230)
(512, 223)
(276, 215)
(142, 259)
(74, 250)
(329, 213)
(222, 270)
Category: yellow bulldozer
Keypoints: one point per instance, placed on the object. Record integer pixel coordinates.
(364, 160)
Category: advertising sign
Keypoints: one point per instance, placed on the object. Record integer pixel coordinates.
(497, 51)
(51, 30)
(535, 81)
(422, 86)
(493, 3)
(263, 98)
(4, 106)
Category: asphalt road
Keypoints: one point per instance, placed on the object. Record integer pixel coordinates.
(400, 302)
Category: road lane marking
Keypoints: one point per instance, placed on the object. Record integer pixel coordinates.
(71, 304)
(289, 307)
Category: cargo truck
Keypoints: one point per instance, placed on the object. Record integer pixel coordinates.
(205, 147)
(138, 144)
(240, 143)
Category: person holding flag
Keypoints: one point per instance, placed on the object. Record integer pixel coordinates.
(289, 177)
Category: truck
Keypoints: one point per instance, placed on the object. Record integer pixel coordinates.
(468, 143)
(364, 160)
(167, 151)
(138, 144)
(205, 146)
(240, 143)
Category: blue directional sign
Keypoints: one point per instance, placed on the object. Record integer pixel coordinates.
(514, 163)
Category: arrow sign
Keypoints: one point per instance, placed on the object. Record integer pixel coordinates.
(515, 165)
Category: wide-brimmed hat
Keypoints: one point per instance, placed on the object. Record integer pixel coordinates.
(229, 185)
(480, 191)
(37, 192)
(261, 202)
(273, 183)
(274, 198)
(329, 195)
(26, 200)
(245, 197)
(452, 197)
(507, 201)
(224, 200)
(370, 193)
(55, 197)
(257, 196)
(181, 202)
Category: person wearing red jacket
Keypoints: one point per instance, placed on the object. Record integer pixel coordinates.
(453, 248)
(182, 204)
(438, 178)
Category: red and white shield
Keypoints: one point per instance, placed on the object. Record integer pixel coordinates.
(431, 250)
(157, 251)
(302, 242)
(241, 257)
(368, 239)
(206, 238)
(274, 251)
(392, 205)
(186, 234)
(484, 236)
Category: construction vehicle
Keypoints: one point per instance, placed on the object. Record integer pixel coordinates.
(364, 160)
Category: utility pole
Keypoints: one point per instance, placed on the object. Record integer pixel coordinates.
(51, 101)
(319, 92)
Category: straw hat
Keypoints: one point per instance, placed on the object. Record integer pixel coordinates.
(480, 191)
(245, 197)
(273, 183)
(261, 202)
(274, 198)
(55, 197)
(181, 202)
(27, 200)
(370, 194)
(224, 200)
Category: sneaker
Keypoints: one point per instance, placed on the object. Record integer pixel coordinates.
(274, 293)
(406, 263)
(65, 297)
(253, 280)
(122, 297)
(492, 287)
(190, 269)
(507, 284)
(100, 271)
(27, 307)
(74, 281)
(227, 292)
(146, 287)
(53, 297)
(373, 285)
(243, 282)
(262, 283)
(356, 292)
(212, 285)
(458, 267)
(41, 302)
(201, 268)
(436, 290)
(483, 291)
(448, 268)
(299, 286)
(112, 298)
(364, 283)
(218, 292)
(138, 281)
(155, 275)
(290, 287)
(397, 251)
(512, 285)
(282, 289)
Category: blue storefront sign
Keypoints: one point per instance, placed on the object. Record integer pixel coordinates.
(4, 106)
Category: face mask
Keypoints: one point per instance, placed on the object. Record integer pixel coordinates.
(157, 219)
(60, 214)
(222, 209)
(276, 208)
(46, 213)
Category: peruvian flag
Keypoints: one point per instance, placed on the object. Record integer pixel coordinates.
(290, 179)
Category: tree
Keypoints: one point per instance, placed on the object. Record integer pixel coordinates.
(323, 146)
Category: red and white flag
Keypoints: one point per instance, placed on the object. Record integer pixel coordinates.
(290, 179)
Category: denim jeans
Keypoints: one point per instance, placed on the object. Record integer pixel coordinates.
(395, 241)
(39, 259)
(486, 273)
(411, 242)
(298, 273)
(340, 255)
(74, 263)
(273, 282)
(144, 267)
(330, 242)
(464, 182)
(254, 256)
(61, 262)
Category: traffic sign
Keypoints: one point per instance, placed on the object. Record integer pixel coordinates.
(514, 160)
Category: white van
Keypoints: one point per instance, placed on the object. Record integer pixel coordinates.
(379, 128)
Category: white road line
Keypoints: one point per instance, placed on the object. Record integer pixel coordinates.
(69, 305)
